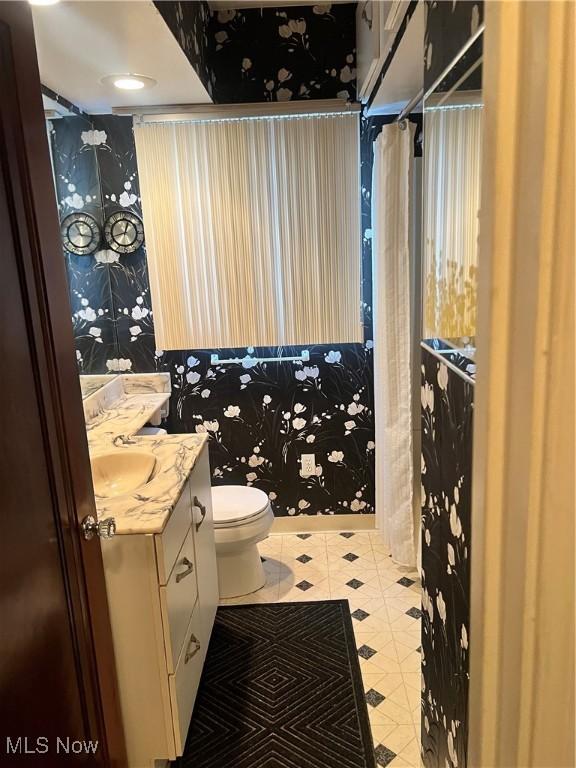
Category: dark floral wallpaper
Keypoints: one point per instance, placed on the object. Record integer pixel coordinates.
(269, 53)
(95, 172)
(260, 417)
(449, 26)
(78, 189)
(273, 54)
(447, 416)
(129, 283)
(447, 399)
(188, 22)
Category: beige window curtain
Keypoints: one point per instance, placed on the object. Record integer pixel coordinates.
(252, 230)
(453, 137)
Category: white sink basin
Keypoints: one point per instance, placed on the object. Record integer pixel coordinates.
(120, 472)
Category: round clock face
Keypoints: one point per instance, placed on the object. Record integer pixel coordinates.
(124, 232)
(80, 233)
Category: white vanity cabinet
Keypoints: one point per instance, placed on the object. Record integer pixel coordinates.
(163, 593)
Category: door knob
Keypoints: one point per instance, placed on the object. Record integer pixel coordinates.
(104, 529)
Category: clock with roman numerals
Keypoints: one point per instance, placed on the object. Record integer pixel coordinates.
(80, 233)
(124, 232)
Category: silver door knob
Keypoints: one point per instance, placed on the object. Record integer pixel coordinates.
(104, 529)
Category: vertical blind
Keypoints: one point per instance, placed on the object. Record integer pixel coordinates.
(452, 160)
(252, 230)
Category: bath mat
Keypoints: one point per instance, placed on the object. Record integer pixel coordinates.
(281, 688)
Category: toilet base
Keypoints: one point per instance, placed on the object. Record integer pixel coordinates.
(240, 572)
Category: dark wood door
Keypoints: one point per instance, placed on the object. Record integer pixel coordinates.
(58, 696)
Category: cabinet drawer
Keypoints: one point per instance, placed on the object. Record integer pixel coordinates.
(184, 683)
(177, 599)
(170, 541)
(203, 524)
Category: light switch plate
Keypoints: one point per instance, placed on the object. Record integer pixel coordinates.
(308, 464)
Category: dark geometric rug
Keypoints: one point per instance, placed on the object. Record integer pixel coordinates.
(281, 688)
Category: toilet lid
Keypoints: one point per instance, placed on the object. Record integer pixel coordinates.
(233, 503)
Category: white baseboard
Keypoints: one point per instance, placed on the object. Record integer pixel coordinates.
(317, 523)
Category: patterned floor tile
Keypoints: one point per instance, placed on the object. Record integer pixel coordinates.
(399, 619)
(393, 590)
(384, 602)
(388, 683)
(378, 718)
(412, 662)
(398, 714)
(292, 543)
(364, 585)
(400, 697)
(380, 663)
(411, 637)
(400, 762)
(308, 573)
(402, 651)
(377, 622)
(380, 732)
(411, 752)
(412, 680)
(374, 698)
(305, 558)
(380, 641)
(371, 681)
(399, 738)
(384, 756)
(351, 562)
(271, 546)
(359, 548)
(317, 591)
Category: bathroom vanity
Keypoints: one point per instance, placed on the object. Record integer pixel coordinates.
(160, 567)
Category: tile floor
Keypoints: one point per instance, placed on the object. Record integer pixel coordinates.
(384, 603)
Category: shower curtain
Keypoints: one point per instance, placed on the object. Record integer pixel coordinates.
(391, 226)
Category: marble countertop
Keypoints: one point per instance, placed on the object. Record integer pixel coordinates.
(113, 426)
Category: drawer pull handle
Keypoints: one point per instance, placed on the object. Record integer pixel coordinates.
(202, 508)
(191, 653)
(189, 569)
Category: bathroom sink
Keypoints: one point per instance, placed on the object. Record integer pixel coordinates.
(120, 472)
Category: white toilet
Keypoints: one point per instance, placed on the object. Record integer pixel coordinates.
(242, 517)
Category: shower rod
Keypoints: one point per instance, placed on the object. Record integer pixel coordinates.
(401, 119)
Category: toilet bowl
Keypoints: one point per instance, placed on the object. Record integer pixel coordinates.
(242, 517)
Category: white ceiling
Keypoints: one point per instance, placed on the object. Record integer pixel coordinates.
(405, 75)
(78, 43)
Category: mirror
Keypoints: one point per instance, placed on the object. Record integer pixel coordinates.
(453, 118)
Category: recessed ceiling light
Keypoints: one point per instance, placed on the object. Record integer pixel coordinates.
(129, 82)
(43, 2)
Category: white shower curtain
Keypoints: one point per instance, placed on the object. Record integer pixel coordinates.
(391, 224)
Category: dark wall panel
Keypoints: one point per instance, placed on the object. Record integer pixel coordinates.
(447, 416)
(449, 25)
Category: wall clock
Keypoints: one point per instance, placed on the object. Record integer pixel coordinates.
(80, 233)
(124, 232)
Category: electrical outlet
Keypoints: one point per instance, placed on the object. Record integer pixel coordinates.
(308, 464)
